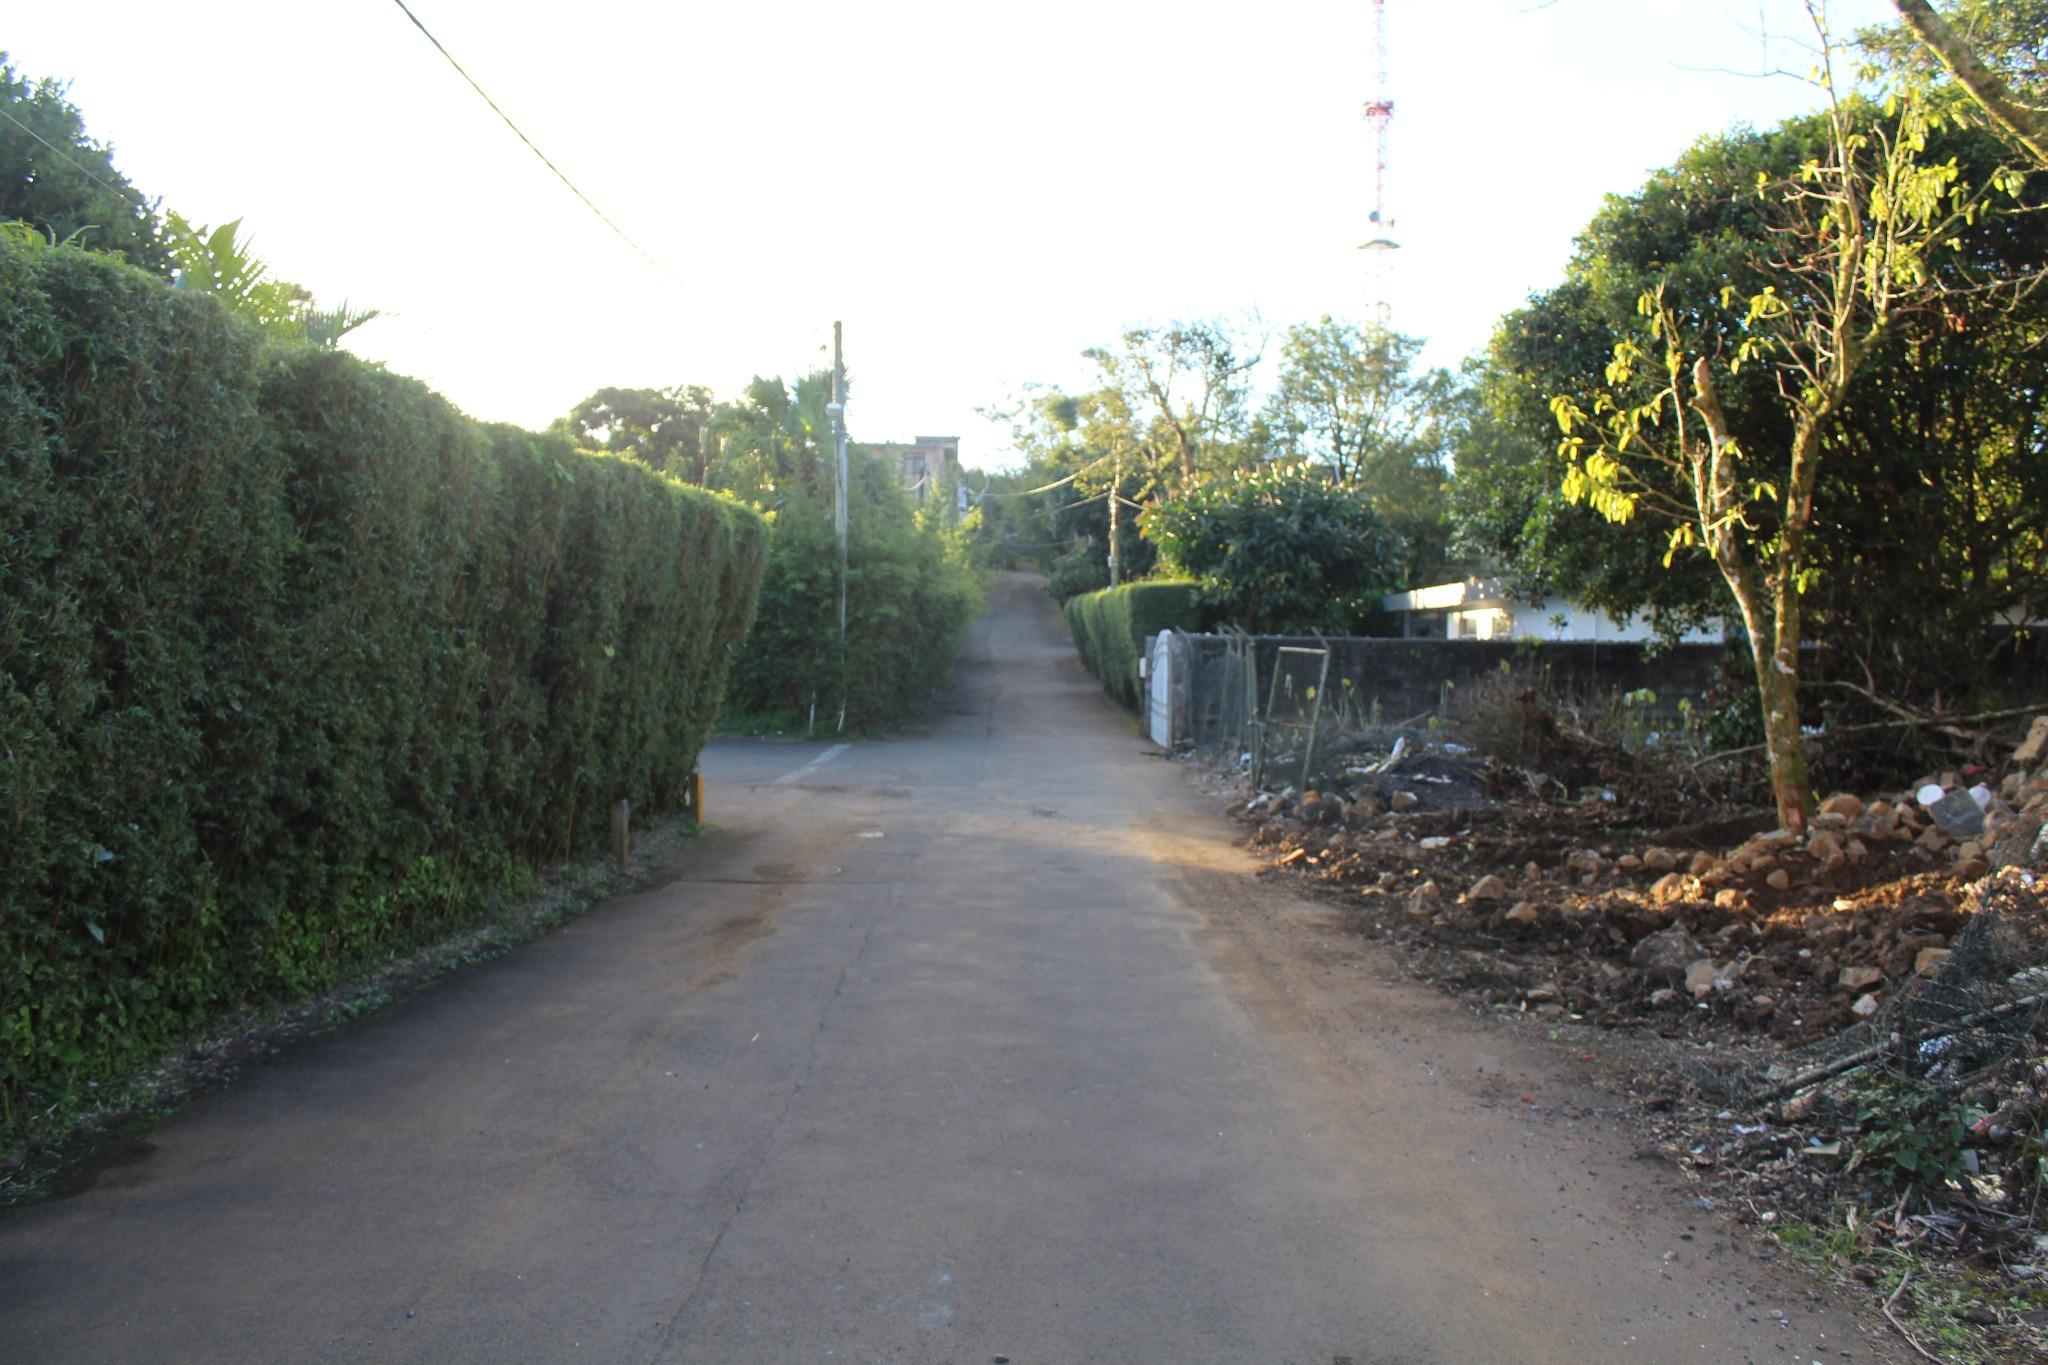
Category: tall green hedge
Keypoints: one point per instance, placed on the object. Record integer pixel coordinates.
(298, 664)
(1112, 628)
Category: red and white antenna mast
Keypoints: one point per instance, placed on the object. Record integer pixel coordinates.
(1379, 112)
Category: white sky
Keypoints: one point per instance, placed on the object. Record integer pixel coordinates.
(980, 192)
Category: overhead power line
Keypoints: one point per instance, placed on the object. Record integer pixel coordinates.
(1047, 488)
(482, 94)
(62, 155)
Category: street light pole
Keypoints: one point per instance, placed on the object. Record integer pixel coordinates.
(837, 410)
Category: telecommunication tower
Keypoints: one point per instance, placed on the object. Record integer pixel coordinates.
(1379, 112)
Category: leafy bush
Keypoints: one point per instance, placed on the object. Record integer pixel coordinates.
(1913, 1135)
(912, 588)
(1082, 523)
(1075, 572)
(1279, 549)
(298, 664)
(1113, 627)
(914, 577)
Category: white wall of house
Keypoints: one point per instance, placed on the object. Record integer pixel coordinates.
(1476, 609)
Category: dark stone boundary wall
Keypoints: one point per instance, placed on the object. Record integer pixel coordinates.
(1407, 676)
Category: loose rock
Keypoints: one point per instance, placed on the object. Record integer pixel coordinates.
(1318, 809)
(1665, 954)
(2034, 745)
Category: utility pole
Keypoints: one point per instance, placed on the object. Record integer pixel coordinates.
(837, 409)
(1116, 480)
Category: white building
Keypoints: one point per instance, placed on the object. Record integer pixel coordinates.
(1479, 609)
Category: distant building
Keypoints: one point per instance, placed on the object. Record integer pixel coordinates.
(1480, 609)
(926, 463)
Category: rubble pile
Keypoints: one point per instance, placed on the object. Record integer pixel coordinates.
(1573, 909)
(1692, 959)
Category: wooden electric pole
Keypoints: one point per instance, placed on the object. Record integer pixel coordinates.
(1116, 480)
(840, 494)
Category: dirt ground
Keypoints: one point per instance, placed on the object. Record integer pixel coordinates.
(1767, 1008)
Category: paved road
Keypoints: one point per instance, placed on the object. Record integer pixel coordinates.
(958, 1047)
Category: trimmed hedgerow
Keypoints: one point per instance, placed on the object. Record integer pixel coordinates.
(1112, 629)
(298, 664)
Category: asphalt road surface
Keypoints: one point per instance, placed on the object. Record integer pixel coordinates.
(977, 1045)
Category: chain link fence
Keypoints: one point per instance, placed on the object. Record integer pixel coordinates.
(1290, 709)
(1276, 707)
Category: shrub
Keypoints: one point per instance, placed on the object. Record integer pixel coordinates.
(912, 589)
(1113, 627)
(298, 664)
(1279, 549)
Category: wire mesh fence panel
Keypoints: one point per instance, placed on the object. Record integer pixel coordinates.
(1286, 710)
(1970, 1012)
(1292, 714)
(1222, 698)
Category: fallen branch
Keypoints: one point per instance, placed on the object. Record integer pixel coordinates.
(1940, 724)
(1922, 722)
(1900, 1327)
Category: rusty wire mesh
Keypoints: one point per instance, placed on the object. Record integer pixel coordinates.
(1976, 1011)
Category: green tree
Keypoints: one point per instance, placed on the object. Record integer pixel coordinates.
(1173, 403)
(913, 581)
(1279, 548)
(1995, 55)
(1352, 400)
(772, 440)
(1857, 239)
(1170, 404)
(665, 429)
(58, 179)
(1933, 495)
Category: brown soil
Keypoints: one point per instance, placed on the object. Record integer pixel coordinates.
(1486, 881)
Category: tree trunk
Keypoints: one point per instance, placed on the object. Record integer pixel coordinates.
(2028, 127)
(1776, 659)
(1777, 683)
(1773, 626)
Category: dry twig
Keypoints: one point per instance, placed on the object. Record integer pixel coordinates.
(1900, 1327)
(1943, 725)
